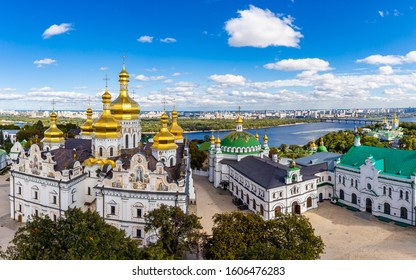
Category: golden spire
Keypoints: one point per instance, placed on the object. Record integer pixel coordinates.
(212, 139)
(175, 128)
(218, 140)
(164, 140)
(107, 126)
(265, 137)
(239, 118)
(53, 134)
(124, 107)
(86, 128)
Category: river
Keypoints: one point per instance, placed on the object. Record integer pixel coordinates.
(299, 134)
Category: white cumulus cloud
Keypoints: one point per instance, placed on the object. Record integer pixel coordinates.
(168, 40)
(56, 30)
(385, 70)
(305, 64)
(382, 59)
(145, 39)
(103, 68)
(144, 78)
(43, 62)
(228, 79)
(261, 28)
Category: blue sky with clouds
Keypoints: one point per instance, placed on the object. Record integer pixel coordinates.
(210, 54)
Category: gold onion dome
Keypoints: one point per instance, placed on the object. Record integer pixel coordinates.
(53, 134)
(256, 136)
(239, 120)
(175, 128)
(212, 139)
(124, 107)
(107, 126)
(265, 138)
(164, 140)
(87, 127)
(218, 141)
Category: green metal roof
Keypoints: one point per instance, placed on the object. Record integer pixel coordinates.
(2, 152)
(205, 146)
(389, 161)
(322, 149)
(239, 139)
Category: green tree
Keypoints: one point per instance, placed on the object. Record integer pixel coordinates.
(240, 235)
(177, 232)
(78, 236)
(8, 145)
(197, 157)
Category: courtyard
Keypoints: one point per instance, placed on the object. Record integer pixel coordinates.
(347, 235)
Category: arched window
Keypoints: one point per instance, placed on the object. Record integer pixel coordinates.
(352, 182)
(343, 180)
(403, 213)
(341, 194)
(111, 151)
(386, 208)
(294, 178)
(261, 210)
(369, 186)
(309, 202)
(127, 141)
(254, 204)
(354, 198)
(248, 200)
(384, 190)
(339, 178)
(356, 183)
(390, 192)
(329, 178)
(171, 161)
(134, 140)
(101, 151)
(401, 194)
(407, 196)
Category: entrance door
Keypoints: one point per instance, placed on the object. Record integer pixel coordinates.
(321, 197)
(19, 218)
(296, 208)
(368, 205)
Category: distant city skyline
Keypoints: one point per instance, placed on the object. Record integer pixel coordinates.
(209, 55)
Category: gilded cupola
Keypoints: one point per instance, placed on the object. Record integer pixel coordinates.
(164, 140)
(107, 126)
(53, 134)
(175, 129)
(87, 127)
(124, 107)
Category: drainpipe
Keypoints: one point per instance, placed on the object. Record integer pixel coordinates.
(59, 187)
(413, 200)
(14, 196)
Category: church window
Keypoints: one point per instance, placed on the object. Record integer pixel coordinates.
(20, 207)
(19, 190)
(112, 210)
(261, 210)
(390, 192)
(89, 191)
(35, 195)
(127, 141)
(407, 196)
(339, 178)
(54, 199)
(343, 180)
(171, 161)
(54, 217)
(134, 140)
(138, 213)
(101, 152)
(354, 198)
(138, 233)
(369, 186)
(36, 213)
(384, 190)
(352, 182)
(254, 204)
(329, 178)
(401, 194)
(111, 151)
(74, 195)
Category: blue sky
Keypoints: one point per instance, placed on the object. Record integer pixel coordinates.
(210, 54)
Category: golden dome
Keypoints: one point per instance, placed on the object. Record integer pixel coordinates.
(313, 144)
(53, 134)
(256, 136)
(164, 140)
(107, 126)
(124, 107)
(218, 141)
(86, 128)
(265, 138)
(239, 120)
(395, 119)
(175, 129)
(212, 139)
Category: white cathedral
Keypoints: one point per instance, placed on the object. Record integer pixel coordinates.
(107, 169)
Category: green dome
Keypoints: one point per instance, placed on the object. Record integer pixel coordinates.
(238, 139)
(322, 149)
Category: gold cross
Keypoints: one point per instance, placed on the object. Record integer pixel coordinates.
(53, 105)
(124, 57)
(106, 81)
(164, 103)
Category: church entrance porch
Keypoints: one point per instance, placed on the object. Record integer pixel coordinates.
(368, 205)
